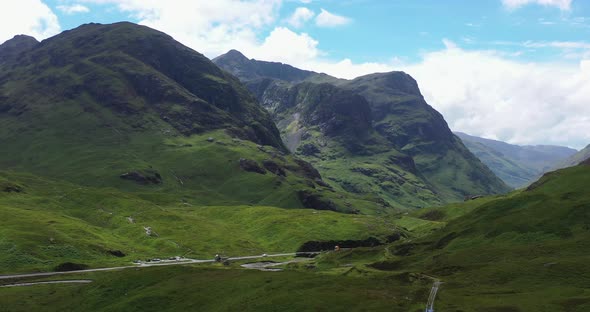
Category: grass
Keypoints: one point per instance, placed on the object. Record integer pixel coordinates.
(82, 224)
(523, 252)
(217, 289)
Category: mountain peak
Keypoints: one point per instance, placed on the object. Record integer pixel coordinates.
(397, 81)
(247, 69)
(19, 40)
(235, 55)
(14, 47)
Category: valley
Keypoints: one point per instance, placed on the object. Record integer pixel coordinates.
(131, 161)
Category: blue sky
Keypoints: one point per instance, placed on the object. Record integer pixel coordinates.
(514, 70)
(380, 30)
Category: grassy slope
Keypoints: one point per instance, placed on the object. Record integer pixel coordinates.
(53, 222)
(524, 252)
(216, 289)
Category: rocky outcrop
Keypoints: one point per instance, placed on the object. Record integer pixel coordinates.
(274, 167)
(143, 176)
(251, 166)
(315, 201)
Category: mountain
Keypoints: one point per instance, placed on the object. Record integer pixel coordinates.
(575, 159)
(12, 49)
(120, 143)
(373, 135)
(517, 165)
(100, 101)
(125, 106)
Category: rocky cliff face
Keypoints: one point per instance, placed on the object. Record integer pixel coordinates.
(373, 135)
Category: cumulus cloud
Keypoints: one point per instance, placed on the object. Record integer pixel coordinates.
(210, 27)
(485, 94)
(563, 5)
(73, 9)
(327, 19)
(300, 16)
(287, 46)
(30, 17)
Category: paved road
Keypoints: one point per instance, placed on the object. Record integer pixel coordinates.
(146, 264)
(49, 282)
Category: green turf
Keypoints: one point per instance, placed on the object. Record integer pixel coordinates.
(210, 289)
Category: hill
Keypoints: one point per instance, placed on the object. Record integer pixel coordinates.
(516, 165)
(523, 252)
(373, 136)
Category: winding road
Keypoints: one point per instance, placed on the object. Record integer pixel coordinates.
(144, 264)
(48, 282)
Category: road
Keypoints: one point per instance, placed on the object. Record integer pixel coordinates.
(48, 282)
(433, 291)
(145, 264)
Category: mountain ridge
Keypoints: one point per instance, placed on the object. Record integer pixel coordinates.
(403, 129)
(150, 115)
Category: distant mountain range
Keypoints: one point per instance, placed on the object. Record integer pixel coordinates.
(517, 165)
(374, 135)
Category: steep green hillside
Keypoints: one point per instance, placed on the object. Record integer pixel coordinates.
(128, 107)
(374, 135)
(523, 252)
(516, 165)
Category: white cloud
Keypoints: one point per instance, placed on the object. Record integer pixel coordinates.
(210, 27)
(30, 17)
(327, 19)
(563, 5)
(557, 44)
(284, 45)
(300, 16)
(482, 93)
(73, 9)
